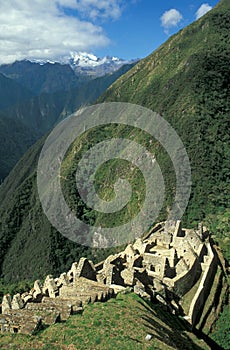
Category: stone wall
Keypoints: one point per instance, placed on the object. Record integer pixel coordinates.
(182, 283)
(197, 303)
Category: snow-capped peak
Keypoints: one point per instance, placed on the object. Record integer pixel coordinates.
(84, 59)
(88, 63)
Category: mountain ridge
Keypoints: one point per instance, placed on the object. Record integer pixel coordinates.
(182, 100)
(187, 81)
(40, 113)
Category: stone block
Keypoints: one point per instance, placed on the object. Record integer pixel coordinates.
(19, 321)
(50, 287)
(113, 275)
(49, 315)
(71, 273)
(6, 303)
(37, 290)
(128, 276)
(129, 253)
(62, 307)
(26, 297)
(140, 246)
(63, 280)
(17, 302)
(139, 289)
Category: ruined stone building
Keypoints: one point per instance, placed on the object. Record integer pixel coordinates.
(162, 266)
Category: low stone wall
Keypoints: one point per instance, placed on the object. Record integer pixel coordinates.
(204, 287)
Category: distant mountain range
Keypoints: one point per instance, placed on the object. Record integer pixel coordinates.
(34, 96)
(85, 63)
(40, 76)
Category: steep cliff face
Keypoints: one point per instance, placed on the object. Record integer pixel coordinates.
(187, 81)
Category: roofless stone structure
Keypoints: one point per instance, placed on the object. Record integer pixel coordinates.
(162, 266)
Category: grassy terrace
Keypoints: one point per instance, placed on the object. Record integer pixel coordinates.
(120, 323)
(188, 297)
(214, 302)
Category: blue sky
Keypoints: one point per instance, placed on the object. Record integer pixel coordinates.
(139, 30)
(51, 29)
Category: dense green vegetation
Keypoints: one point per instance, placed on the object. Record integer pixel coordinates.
(109, 172)
(15, 139)
(187, 81)
(221, 334)
(121, 323)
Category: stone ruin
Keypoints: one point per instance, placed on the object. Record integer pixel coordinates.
(162, 267)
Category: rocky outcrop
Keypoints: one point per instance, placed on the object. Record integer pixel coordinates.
(162, 267)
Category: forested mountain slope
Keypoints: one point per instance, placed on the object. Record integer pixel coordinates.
(36, 115)
(187, 81)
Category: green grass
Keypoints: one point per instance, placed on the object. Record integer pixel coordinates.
(222, 330)
(186, 300)
(209, 313)
(120, 323)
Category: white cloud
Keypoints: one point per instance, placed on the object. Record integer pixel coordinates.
(97, 8)
(44, 29)
(203, 9)
(171, 18)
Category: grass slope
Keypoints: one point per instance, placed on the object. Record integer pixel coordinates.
(120, 323)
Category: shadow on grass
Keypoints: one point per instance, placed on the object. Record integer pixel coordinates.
(174, 335)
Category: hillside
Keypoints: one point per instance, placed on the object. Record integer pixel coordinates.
(36, 115)
(44, 111)
(15, 139)
(177, 85)
(186, 80)
(45, 78)
(121, 323)
(12, 93)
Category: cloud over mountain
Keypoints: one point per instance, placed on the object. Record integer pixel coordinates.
(171, 18)
(203, 9)
(46, 29)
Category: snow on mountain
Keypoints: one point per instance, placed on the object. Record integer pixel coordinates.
(84, 59)
(89, 64)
